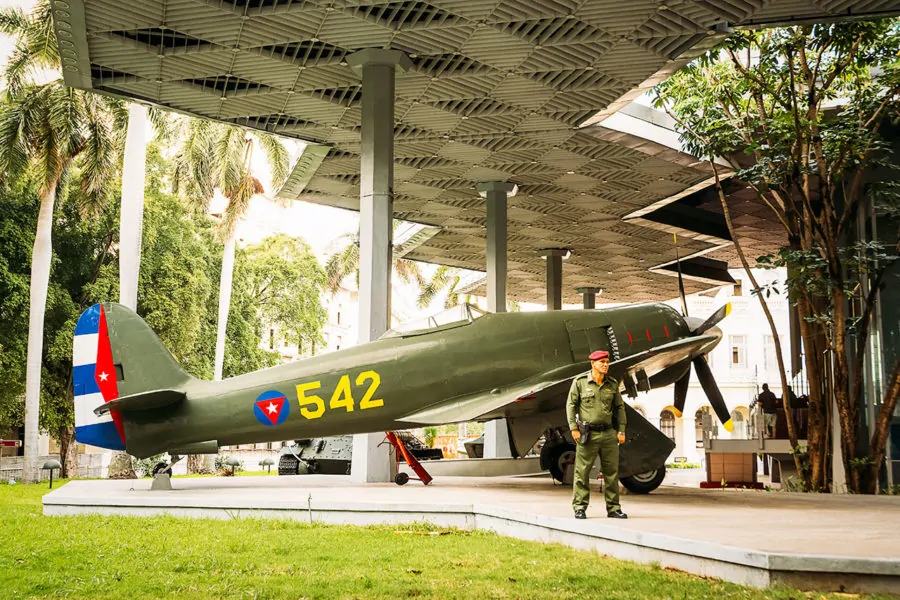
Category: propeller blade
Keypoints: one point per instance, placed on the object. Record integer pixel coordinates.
(684, 311)
(704, 374)
(713, 319)
(681, 389)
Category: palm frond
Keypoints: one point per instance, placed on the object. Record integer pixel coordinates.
(164, 123)
(438, 282)
(340, 265)
(230, 154)
(15, 132)
(277, 156)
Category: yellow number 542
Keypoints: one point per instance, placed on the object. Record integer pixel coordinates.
(312, 406)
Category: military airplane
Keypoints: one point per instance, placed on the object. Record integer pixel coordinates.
(131, 394)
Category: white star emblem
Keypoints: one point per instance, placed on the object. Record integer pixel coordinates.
(103, 376)
(272, 408)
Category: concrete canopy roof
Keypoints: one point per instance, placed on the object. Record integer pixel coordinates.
(499, 91)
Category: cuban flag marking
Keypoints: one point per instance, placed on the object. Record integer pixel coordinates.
(94, 382)
(271, 408)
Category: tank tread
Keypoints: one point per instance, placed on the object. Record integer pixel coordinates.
(288, 465)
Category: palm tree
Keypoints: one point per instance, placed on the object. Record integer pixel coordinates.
(345, 262)
(217, 156)
(45, 130)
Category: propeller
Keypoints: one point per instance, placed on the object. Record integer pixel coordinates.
(704, 373)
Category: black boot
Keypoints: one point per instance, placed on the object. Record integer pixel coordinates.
(617, 514)
(579, 514)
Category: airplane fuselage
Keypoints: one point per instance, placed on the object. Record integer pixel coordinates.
(372, 387)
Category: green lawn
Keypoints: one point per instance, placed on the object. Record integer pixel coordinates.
(130, 558)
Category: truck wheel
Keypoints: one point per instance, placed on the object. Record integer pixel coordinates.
(288, 465)
(401, 478)
(558, 458)
(644, 483)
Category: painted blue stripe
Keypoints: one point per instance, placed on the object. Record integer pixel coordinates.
(89, 321)
(102, 435)
(83, 381)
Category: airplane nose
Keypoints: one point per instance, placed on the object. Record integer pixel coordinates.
(714, 331)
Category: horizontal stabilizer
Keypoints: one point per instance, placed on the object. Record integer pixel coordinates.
(142, 401)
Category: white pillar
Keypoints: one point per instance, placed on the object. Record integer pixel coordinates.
(132, 217)
(371, 462)
(496, 433)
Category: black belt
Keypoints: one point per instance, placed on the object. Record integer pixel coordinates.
(593, 427)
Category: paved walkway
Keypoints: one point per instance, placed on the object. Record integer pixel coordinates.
(853, 537)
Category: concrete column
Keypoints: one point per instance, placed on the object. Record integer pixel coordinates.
(496, 193)
(377, 67)
(554, 258)
(589, 294)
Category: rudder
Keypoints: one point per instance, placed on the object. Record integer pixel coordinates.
(115, 354)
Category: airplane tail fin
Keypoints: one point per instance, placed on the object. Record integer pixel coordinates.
(117, 355)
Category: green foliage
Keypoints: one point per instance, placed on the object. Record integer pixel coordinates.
(285, 279)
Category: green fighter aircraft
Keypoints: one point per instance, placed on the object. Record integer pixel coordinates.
(131, 394)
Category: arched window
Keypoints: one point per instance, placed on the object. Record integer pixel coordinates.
(667, 423)
(740, 418)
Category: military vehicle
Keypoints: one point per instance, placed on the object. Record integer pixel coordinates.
(332, 455)
(131, 394)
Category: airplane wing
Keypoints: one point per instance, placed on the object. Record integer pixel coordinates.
(548, 392)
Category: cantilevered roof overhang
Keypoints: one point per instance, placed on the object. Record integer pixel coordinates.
(500, 90)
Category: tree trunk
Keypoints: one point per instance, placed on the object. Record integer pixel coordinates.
(882, 427)
(224, 304)
(132, 214)
(200, 464)
(68, 452)
(847, 413)
(40, 279)
(120, 467)
(818, 415)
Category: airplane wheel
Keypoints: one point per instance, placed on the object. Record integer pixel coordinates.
(162, 468)
(401, 478)
(644, 483)
(559, 458)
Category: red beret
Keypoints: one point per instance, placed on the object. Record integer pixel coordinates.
(598, 354)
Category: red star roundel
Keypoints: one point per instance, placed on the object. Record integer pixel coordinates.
(271, 408)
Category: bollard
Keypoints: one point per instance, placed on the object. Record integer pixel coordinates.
(51, 465)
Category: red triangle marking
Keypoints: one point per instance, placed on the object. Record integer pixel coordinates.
(263, 405)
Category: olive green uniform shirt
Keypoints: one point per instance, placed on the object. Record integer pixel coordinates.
(596, 404)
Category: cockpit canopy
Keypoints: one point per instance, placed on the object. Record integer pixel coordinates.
(451, 318)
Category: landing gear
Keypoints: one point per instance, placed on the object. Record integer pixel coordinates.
(557, 458)
(162, 474)
(401, 478)
(644, 483)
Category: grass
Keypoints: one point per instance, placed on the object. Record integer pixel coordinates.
(131, 557)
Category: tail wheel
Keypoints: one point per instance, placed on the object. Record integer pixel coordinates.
(288, 465)
(558, 458)
(644, 483)
(401, 478)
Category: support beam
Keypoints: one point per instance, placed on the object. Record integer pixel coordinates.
(371, 462)
(496, 193)
(589, 295)
(554, 258)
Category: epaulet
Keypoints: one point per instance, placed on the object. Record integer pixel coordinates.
(612, 379)
(584, 375)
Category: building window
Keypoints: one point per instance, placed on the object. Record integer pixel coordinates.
(339, 314)
(340, 339)
(738, 288)
(271, 339)
(285, 342)
(770, 358)
(667, 423)
(739, 351)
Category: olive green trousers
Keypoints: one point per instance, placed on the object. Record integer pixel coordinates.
(606, 444)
